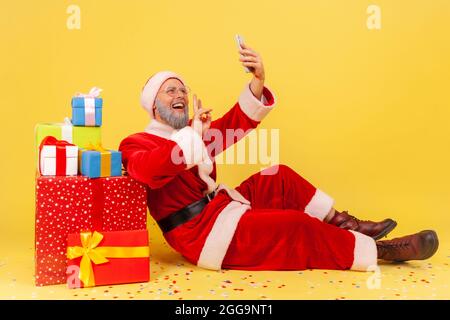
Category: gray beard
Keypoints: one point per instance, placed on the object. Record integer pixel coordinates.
(172, 118)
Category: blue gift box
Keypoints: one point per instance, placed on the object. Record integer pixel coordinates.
(95, 164)
(87, 111)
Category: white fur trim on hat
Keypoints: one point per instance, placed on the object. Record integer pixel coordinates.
(152, 87)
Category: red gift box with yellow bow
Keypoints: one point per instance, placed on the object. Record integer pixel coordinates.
(107, 258)
(66, 205)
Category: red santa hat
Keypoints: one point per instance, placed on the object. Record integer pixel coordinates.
(152, 87)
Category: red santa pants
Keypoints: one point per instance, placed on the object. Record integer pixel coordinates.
(284, 230)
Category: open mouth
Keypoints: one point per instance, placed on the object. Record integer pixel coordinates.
(178, 105)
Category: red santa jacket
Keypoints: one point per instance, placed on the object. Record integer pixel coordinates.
(178, 168)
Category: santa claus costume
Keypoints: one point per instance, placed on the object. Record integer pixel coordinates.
(269, 222)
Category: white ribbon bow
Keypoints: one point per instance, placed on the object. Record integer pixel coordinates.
(94, 93)
(67, 130)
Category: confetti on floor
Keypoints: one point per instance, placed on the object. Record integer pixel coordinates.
(173, 278)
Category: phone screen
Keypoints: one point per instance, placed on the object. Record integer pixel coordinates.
(239, 41)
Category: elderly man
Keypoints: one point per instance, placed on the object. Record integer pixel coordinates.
(274, 220)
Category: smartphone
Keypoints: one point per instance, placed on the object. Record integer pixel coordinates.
(240, 40)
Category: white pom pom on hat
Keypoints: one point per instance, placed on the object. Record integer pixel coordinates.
(151, 88)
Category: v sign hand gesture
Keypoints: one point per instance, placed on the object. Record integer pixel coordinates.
(202, 117)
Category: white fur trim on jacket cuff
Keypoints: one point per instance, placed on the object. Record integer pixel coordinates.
(190, 143)
(365, 252)
(220, 236)
(320, 205)
(254, 108)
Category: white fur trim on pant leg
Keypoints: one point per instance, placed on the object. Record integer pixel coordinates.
(252, 107)
(365, 253)
(220, 236)
(320, 205)
(190, 143)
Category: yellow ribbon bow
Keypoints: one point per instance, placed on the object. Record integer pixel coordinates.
(90, 252)
(97, 147)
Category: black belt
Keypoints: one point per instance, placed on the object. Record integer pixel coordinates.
(184, 215)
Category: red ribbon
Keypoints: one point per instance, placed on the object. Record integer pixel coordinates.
(98, 196)
(61, 157)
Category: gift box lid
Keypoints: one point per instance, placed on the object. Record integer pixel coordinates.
(90, 152)
(114, 257)
(50, 151)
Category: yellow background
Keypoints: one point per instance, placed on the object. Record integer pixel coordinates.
(363, 114)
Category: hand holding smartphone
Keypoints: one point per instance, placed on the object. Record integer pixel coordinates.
(239, 41)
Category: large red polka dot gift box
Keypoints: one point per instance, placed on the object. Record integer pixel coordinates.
(73, 204)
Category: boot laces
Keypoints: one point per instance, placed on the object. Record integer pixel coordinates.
(354, 218)
(397, 244)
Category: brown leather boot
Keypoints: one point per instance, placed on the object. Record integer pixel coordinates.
(376, 230)
(419, 246)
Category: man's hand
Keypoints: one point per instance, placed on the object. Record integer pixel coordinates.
(202, 117)
(253, 61)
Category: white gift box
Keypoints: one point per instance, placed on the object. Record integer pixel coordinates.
(48, 160)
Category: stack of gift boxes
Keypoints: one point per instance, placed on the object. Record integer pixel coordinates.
(90, 226)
